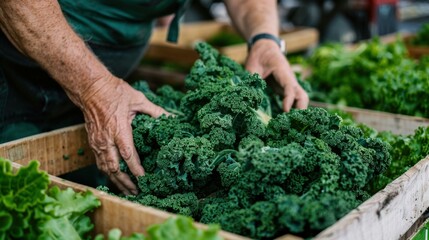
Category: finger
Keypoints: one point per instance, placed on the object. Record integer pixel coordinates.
(255, 67)
(286, 79)
(289, 98)
(302, 99)
(112, 157)
(119, 184)
(101, 164)
(125, 187)
(122, 180)
(125, 143)
(124, 183)
(150, 108)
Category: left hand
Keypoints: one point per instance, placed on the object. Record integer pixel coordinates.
(265, 58)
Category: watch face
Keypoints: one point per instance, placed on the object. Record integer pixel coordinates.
(283, 46)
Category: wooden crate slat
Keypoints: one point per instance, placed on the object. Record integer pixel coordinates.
(57, 151)
(118, 213)
(389, 213)
(381, 121)
(296, 40)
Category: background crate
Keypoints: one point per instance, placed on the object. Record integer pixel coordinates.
(298, 39)
(381, 121)
(415, 51)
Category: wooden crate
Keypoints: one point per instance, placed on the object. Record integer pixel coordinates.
(390, 212)
(118, 213)
(60, 151)
(386, 215)
(298, 39)
(414, 51)
(381, 121)
(66, 150)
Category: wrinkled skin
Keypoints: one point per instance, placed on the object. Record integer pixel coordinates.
(109, 111)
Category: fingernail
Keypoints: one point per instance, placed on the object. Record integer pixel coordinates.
(134, 192)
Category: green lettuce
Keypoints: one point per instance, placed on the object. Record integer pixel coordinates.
(29, 209)
(177, 228)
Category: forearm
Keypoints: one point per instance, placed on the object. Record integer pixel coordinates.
(39, 30)
(251, 17)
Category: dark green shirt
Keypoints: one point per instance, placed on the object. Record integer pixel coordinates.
(116, 22)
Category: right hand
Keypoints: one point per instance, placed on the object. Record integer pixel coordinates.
(109, 107)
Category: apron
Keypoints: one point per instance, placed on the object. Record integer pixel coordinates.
(32, 102)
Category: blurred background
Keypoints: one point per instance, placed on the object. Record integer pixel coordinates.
(345, 21)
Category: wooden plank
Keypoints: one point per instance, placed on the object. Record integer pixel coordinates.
(60, 151)
(297, 39)
(414, 51)
(381, 121)
(118, 213)
(417, 226)
(389, 213)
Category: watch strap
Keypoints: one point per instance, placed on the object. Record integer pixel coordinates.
(255, 38)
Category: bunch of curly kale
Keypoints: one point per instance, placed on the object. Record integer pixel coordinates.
(226, 158)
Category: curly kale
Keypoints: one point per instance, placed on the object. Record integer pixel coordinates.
(181, 166)
(229, 156)
(181, 203)
(320, 177)
(405, 151)
(374, 76)
(422, 36)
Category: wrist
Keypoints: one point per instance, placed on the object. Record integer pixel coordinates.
(264, 48)
(89, 91)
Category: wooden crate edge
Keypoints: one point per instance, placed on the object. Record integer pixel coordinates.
(297, 39)
(128, 216)
(389, 213)
(59, 151)
(381, 121)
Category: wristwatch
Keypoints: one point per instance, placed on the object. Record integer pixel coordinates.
(279, 41)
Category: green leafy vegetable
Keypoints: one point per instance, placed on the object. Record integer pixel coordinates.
(225, 38)
(422, 233)
(177, 228)
(231, 157)
(406, 151)
(422, 36)
(31, 210)
(373, 76)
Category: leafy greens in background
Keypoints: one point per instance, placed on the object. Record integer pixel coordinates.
(29, 209)
(422, 36)
(373, 76)
(178, 228)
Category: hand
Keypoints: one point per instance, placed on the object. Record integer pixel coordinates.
(109, 107)
(265, 58)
